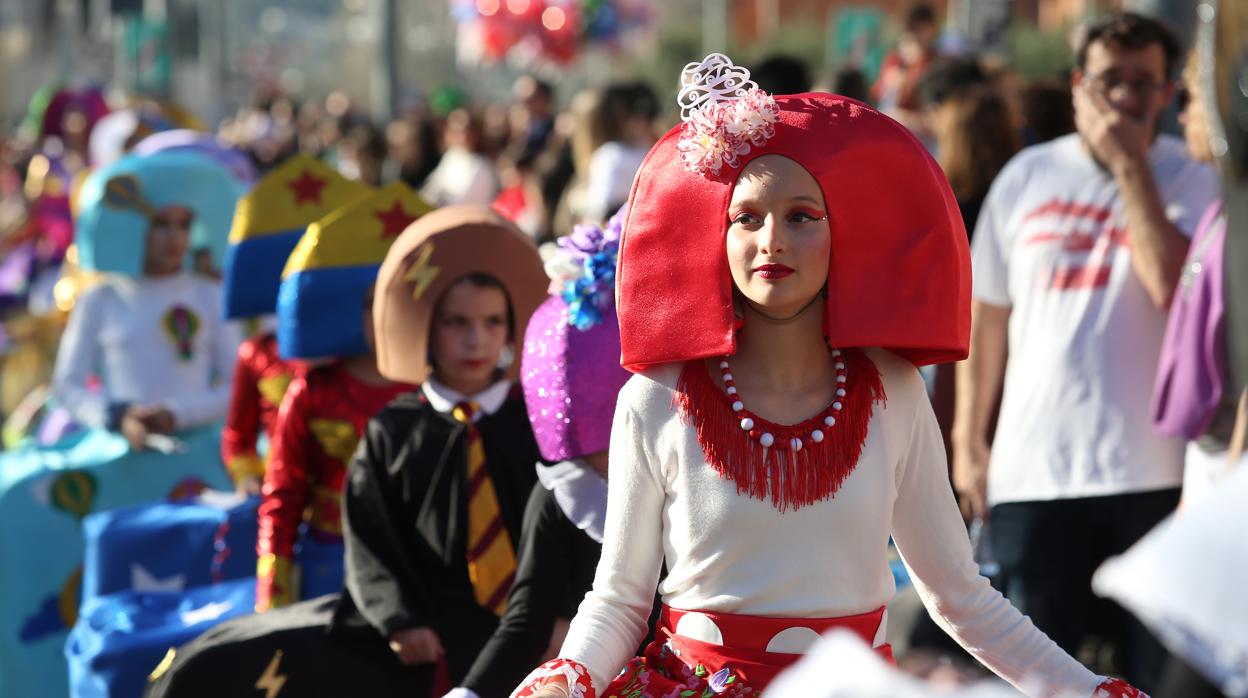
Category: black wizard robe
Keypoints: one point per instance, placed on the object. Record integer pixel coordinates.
(405, 521)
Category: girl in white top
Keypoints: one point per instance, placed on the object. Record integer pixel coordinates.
(785, 265)
(153, 332)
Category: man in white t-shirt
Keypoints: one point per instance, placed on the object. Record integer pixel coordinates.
(1076, 256)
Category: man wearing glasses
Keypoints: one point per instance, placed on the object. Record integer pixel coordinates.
(1078, 251)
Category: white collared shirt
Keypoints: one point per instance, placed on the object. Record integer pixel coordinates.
(444, 399)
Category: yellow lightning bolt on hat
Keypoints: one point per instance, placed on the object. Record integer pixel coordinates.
(422, 273)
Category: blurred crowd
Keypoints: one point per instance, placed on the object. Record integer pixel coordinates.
(547, 158)
(543, 158)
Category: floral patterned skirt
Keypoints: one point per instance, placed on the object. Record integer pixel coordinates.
(748, 652)
(682, 667)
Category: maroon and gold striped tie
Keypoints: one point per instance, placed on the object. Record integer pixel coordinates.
(491, 560)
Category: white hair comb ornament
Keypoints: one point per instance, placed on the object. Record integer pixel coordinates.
(724, 114)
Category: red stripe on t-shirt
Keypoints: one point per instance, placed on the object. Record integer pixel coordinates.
(1071, 242)
(1069, 208)
(1079, 242)
(1074, 278)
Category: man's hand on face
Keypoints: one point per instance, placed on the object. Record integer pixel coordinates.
(1118, 140)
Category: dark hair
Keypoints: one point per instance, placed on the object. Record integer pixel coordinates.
(782, 75)
(471, 121)
(621, 102)
(1047, 110)
(1130, 31)
(919, 15)
(978, 140)
(543, 88)
(610, 113)
(368, 139)
(851, 82)
(946, 76)
(642, 101)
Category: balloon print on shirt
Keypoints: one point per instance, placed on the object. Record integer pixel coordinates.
(181, 324)
(74, 493)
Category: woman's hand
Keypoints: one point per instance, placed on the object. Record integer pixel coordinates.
(557, 688)
(416, 646)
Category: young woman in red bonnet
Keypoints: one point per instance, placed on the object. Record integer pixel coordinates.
(786, 264)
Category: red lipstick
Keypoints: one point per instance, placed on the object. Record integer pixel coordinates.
(773, 271)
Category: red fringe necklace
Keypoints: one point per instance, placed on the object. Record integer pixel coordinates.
(790, 465)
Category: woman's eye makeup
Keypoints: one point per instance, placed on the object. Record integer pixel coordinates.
(806, 215)
(800, 215)
(744, 218)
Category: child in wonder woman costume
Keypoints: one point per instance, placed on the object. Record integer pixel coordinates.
(324, 311)
(268, 223)
(786, 264)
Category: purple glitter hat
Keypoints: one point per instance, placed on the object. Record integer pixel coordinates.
(570, 368)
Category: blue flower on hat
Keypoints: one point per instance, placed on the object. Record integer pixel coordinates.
(585, 266)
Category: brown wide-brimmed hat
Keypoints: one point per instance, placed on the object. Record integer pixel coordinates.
(428, 258)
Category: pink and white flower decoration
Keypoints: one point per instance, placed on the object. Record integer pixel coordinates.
(724, 114)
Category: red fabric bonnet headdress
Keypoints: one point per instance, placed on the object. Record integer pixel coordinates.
(899, 274)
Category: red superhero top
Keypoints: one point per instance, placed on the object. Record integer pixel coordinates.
(260, 380)
(318, 426)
